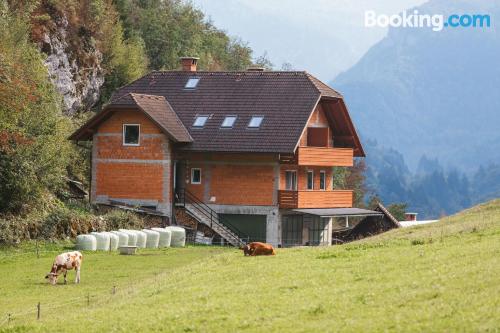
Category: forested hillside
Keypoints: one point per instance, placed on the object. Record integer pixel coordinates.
(59, 61)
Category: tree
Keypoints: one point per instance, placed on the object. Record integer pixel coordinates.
(397, 210)
(34, 152)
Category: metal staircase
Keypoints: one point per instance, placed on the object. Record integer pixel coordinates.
(206, 215)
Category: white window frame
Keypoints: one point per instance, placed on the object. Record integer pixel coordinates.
(322, 172)
(192, 79)
(260, 124)
(307, 180)
(204, 123)
(286, 184)
(232, 124)
(138, 139)
(192, 176)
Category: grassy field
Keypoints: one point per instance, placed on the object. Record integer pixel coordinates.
(440, 277)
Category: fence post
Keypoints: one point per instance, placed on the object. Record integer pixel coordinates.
(88, 299)
(114, 290)
(8, 318)
(38, 311)
(37, 251)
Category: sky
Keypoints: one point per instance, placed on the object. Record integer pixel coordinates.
(324, 37)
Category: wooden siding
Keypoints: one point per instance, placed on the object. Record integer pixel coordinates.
(325, 156)
(315, 199)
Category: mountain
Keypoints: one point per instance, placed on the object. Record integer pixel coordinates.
(432, 93)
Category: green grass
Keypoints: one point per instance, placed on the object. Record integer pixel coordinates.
(440, 277)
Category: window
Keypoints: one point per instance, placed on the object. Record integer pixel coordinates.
(195, 176)
(310, 180)
(255, 121)
(291, 180)
(200, 121)
(322, 180)
(192, 83)
(228, 121)
(131, 134)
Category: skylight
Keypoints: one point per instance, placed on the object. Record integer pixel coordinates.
(255, 121)
(228, 121)
(200, 121)
(192, 82)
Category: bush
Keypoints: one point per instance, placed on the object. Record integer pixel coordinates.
(119, 219)
(61, 221)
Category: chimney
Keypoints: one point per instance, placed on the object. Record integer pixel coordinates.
(189, 64)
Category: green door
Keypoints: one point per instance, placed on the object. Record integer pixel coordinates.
(251, 226)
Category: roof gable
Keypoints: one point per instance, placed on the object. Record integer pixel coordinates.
(156, 108)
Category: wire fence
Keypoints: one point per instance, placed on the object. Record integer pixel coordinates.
(42, 310)
(87, 302)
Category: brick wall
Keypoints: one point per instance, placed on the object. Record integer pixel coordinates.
(242, 184)
(233, 179)
(135, 173)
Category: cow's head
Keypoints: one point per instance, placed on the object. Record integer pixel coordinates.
(246, 250)
(52, 276)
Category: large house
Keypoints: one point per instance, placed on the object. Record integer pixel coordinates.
(248, 153)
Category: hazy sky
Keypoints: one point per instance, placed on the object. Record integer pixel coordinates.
(323, 37)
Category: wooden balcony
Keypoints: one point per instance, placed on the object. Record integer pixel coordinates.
(325, 156)
(315, 199)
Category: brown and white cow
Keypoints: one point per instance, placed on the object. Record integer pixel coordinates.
(258, 249)
(63, 263)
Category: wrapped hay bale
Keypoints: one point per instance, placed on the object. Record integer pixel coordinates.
(122, 238)
(141, 239)
(132, 236)
(114, 240)
(102, 239)
(86, 242)
(153, 238)
(178, 236)
(165, 236)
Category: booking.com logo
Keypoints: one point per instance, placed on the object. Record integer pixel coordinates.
(437, 22)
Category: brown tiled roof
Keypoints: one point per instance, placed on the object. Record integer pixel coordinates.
(155, 107)
(324, 89)
(285, 99)
(160, 110)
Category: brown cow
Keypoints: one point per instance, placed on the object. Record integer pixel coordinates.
(258, 249)
(63, 263)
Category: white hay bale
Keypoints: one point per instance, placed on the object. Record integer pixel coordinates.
(103, 240)
(132, 236)
(153, 238)
(165, 237)
(141, 239)
(114, 240)
(178, 236)
(122, 238)
(86, 243)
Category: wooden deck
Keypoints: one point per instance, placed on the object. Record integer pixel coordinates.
(325, 156)
(315, 199)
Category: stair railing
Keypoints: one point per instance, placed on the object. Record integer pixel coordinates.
(184, 197)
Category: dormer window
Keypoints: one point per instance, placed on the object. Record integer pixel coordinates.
(200, 121)
(255, 121)
(131, 133)
(192, 82)
(229, 121)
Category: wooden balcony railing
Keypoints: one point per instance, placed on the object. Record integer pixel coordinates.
(315, 199)
(325, 156)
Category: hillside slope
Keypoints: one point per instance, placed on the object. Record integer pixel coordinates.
(441, 277)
